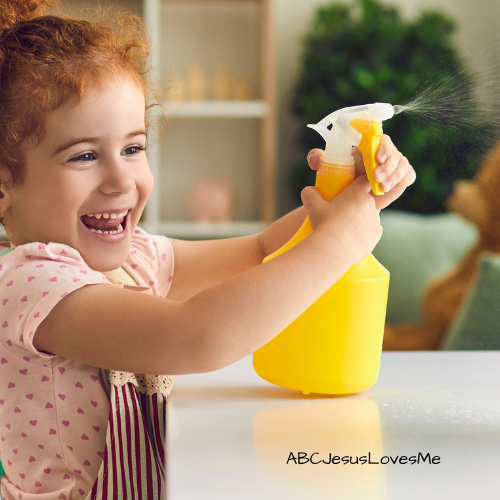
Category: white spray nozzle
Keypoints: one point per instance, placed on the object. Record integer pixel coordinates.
(323, 131)
(380, 111)
(342, 136)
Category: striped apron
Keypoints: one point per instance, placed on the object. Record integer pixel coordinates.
(134, 462)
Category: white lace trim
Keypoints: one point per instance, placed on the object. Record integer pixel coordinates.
(145, 383)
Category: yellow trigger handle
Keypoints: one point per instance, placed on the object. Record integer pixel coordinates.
(370, 131)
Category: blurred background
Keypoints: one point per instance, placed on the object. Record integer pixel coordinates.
(244, 79)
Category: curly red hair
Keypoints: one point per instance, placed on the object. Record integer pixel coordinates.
(46, 59)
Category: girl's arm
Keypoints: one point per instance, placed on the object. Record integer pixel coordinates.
(202, 264)
(280, 231)
(113, 328)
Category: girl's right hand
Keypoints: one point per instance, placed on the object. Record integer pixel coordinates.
(350, 220)
(394, 172)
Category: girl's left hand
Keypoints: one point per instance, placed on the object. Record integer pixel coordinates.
(394, 173)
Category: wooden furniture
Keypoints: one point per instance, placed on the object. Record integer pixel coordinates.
(214, 139)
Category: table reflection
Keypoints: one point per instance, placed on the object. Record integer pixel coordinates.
(330, 432)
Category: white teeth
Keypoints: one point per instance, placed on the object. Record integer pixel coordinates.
(117, 231)
(109, 216)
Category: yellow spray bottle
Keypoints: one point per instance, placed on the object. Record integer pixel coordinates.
(334, 347)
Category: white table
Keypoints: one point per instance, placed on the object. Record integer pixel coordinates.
(230, 433)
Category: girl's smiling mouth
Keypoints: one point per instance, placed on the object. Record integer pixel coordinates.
(111, 227)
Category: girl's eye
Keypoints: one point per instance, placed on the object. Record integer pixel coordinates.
(85, 157)
(134, 150)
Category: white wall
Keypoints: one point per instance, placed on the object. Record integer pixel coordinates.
(478, 22)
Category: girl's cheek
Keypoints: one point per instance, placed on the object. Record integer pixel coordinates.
(147, 183)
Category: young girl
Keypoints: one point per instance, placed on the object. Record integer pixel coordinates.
(79, 419)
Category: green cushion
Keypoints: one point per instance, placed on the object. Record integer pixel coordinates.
(415, 248)
(477, 326)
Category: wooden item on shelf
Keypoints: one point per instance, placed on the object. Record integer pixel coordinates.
(222, 83)
(260, 109)
(242, 88)
(212, 200)
(197, 83)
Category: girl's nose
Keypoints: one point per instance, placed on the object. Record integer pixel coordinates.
(118, 177)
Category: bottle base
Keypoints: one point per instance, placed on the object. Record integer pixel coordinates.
(307, 388)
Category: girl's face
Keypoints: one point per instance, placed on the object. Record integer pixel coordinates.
(90, 161)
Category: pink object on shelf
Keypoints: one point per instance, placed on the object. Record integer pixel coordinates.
(212, 200)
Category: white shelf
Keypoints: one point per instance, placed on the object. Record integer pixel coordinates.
(217, 109)
(206, 231)
(246, 43)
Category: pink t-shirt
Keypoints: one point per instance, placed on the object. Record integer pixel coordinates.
(54, 411)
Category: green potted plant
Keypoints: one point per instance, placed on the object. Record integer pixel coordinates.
(365, 52)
